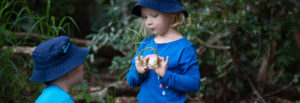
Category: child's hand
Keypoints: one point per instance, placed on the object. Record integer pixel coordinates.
(141, 69)
(161, 66)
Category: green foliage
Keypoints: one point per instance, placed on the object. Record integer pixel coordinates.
(82, 92)
(122, 31)
(47, 24)
(14, 74)
(118, 28)
(16, 68)
(253, 27)
(248, 27)
(122, 64)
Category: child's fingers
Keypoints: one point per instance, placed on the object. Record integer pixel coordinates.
(142, 58)
(167, 60)
(136, 59)
(145, 60)
(161, 59)
(137, 62)
(145, 68)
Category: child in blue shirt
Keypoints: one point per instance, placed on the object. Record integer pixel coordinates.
(172, 77)
(59, 64)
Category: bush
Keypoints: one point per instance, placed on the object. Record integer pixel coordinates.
(232, 38)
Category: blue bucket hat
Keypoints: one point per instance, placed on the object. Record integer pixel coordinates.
(166, 6)
(56, 57)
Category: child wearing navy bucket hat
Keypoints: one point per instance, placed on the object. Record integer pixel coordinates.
(59, 64)
(171, 78)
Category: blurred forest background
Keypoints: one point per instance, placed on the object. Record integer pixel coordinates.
(249, 50)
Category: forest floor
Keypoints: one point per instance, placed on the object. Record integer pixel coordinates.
(103, 85)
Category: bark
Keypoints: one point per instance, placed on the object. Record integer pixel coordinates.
(38, 38)
(265, 72)
(20, 49)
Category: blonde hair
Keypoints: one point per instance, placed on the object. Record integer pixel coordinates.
(178, 19)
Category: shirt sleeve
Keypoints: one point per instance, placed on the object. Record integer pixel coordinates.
(134, 79)
(189, 79)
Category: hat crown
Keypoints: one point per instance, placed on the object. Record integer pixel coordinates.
(51, 50)
(166, 6)
(160, 2)
(52, 47)
(56, 57)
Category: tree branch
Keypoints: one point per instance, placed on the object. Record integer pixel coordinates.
(20, 49)
(279, 90)
(255, 91)
(79, 42)
(211, 41)
(212, 46)
(29, 49)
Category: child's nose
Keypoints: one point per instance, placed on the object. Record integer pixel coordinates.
(149, 22)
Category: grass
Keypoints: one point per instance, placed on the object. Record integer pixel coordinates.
(47, 24)
(15, 68)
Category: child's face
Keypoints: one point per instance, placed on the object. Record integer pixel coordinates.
(157, 22)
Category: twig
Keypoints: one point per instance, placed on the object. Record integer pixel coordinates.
(211, 41)
(279, 90)
(227, 64)
(212, 46)
(203, 79)
(236, 60)
(26, 34)
(255, 91)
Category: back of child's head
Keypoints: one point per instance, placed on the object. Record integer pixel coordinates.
(172, 7)
(55, 58)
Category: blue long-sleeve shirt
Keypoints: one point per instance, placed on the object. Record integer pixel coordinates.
(54, 94)
(182, 74)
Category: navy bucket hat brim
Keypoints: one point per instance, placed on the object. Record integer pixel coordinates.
(51, 63)
(166, 6)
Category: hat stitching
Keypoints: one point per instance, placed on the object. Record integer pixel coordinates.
(66, 48)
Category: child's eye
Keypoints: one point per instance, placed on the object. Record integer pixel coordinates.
(155, 15)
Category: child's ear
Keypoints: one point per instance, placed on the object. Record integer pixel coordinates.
(172, 17)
